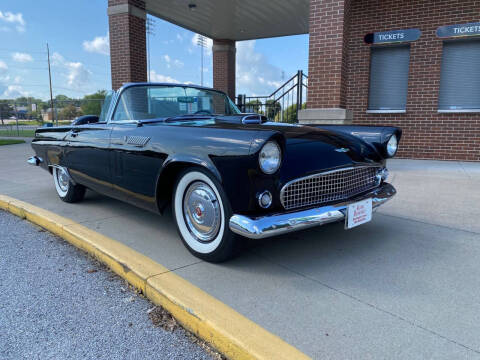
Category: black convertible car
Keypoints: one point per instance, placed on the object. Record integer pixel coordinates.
(224, 172)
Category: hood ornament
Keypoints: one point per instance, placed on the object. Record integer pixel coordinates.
(342, 150)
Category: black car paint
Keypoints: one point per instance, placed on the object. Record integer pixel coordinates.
(100, 157)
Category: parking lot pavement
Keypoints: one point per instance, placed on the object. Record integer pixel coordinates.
(57, 303)
(405, 285)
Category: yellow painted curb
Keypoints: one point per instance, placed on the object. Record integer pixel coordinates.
(229, 332)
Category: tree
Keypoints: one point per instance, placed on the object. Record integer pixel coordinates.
(69, 112)
(253, 106)
(289, 114)
(61, 97)
(92, 104)
(6, 110)
(272, 108)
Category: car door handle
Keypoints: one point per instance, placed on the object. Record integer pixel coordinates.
(73, 133)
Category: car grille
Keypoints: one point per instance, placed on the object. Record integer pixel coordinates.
(328, 186)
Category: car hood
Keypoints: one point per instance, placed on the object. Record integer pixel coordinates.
(307, 149)
(311, 150)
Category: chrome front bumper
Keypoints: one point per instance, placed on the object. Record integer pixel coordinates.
(277, 224)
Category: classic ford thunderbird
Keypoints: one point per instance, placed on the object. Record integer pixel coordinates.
(226, 174)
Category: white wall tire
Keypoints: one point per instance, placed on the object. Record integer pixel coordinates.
(66, 190)
(209, 240)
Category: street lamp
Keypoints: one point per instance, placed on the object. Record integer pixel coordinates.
(202, 42)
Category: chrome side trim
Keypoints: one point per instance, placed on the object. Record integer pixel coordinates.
(35, 160)
(277, 224)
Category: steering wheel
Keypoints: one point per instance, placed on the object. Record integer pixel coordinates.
(206, 112)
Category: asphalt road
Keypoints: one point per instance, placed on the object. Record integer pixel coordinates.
(58, 303)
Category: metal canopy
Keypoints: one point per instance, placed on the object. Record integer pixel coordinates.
(235, 19)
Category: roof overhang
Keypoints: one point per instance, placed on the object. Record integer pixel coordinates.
(235, 19)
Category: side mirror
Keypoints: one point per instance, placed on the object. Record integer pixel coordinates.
(86, 119)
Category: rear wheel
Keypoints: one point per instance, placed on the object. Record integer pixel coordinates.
(201, 211)
(66, 189)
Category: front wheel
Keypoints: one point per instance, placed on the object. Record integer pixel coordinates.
(201, 211)
(66, 189)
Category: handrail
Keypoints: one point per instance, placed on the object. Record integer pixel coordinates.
(279, 104)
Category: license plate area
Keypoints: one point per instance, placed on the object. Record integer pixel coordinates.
(358, 213)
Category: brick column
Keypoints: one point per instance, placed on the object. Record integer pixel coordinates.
(327, 62)
(128, 49)
(224, 66)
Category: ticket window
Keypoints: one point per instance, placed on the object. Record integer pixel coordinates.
(389, 68)
(460, 76)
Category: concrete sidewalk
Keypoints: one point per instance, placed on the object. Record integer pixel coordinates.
(404, 286)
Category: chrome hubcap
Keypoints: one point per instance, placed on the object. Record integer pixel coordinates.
(63, 180)
(201, 211)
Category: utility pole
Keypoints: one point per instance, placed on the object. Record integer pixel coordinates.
(50, 80)
(202, 42)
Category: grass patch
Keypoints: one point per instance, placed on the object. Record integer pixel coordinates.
(14, 132)
(39, 123)
(10, 141)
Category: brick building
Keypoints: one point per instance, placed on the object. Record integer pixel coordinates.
(413, 64)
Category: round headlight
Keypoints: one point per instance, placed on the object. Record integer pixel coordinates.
(392, 146)
(270, 157)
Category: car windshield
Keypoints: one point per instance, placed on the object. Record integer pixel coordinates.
(163, 101)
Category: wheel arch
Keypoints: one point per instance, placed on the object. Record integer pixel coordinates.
(169, 173)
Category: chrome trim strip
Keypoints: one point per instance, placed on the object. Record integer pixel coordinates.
(277, 224)
(282, 191)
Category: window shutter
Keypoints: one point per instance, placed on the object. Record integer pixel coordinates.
(460, 76)
(389, 68)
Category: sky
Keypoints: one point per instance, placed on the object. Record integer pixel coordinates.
(77, 35)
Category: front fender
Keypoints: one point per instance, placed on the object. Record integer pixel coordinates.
(194, 161)
(169, 173)
(377, 136)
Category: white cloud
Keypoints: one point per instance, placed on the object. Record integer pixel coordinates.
(14, 91)
(14, 19)
(169, 62)
(100, 45)
(77, 75)
(22, 57)
(154, 77)
(3, 67)
(57, 59)
(180, 37)
(255, 75)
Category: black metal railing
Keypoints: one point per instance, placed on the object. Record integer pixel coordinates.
(283, 104)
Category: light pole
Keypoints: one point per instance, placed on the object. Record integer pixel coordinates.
(202, 42)
(150, 31)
